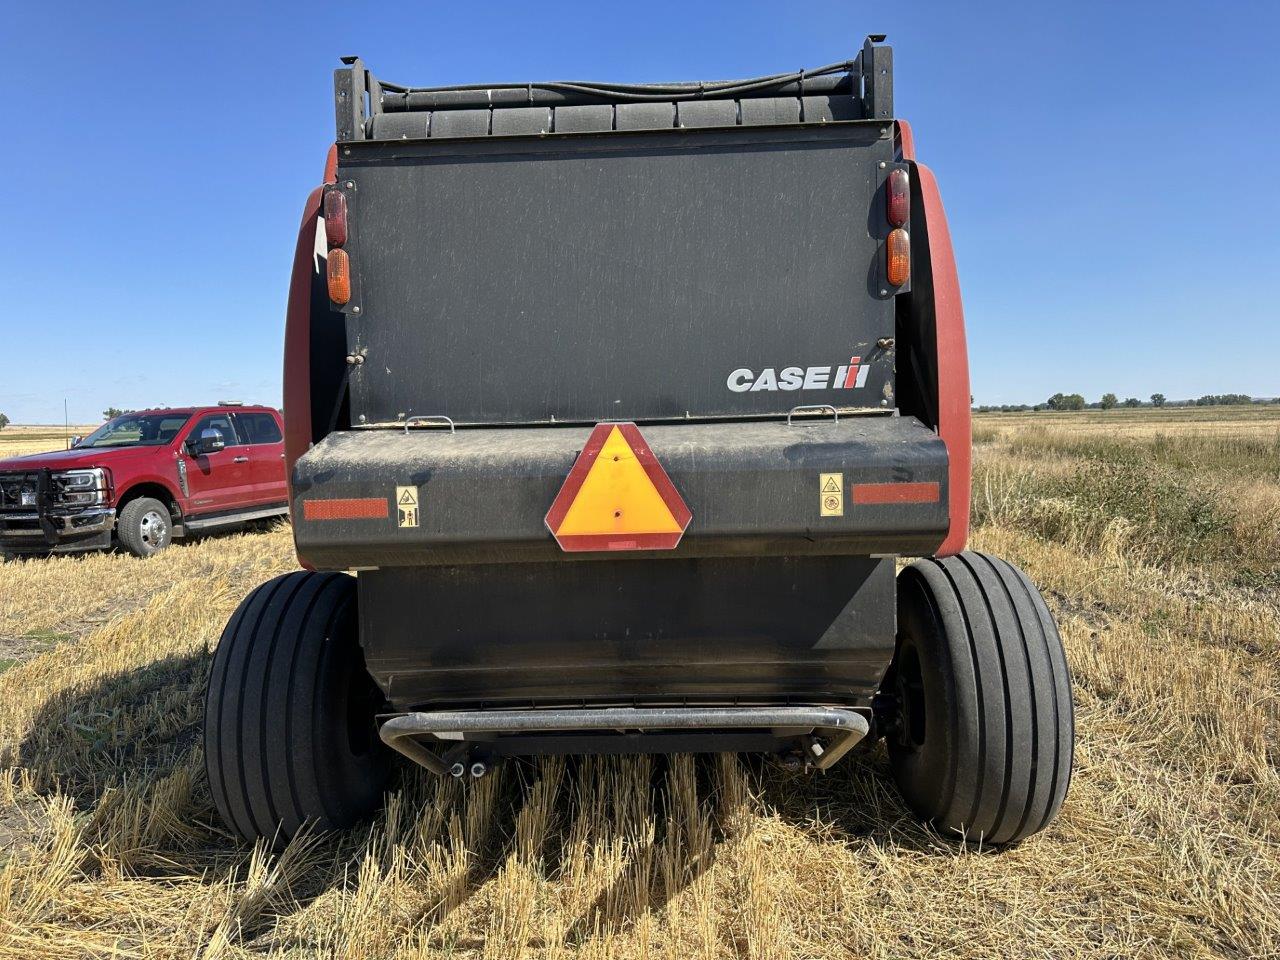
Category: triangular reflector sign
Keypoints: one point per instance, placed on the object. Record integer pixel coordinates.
(617, 497)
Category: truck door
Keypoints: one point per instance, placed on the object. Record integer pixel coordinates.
(264, 443)
(218, 480)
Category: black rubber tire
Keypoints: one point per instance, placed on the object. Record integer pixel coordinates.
(986, 728)
(289, 725)
(137, 536)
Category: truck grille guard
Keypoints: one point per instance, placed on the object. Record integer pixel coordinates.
(843, 727)
(11, 487)
(50, 513)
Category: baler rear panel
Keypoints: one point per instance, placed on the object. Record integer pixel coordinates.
(586, 277)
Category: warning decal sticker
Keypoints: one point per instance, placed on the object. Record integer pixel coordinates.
(831, 495)
(407, 506)
(617, 497)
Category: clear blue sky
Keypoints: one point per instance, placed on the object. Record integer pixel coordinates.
(1110, 170)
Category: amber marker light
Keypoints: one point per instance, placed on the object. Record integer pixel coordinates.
(898, 258)
(339, 276)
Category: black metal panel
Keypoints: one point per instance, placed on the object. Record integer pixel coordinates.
(877, 80)
(752, 488)
(627, 276)
(762, 630)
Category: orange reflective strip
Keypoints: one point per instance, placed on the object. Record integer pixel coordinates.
(896, 492)
(361, 508)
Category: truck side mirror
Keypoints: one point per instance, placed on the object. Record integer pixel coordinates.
(210, 441)
(75, 442)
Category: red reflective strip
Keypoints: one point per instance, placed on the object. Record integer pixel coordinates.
(360, 508)
(896, 492)
(574, 543)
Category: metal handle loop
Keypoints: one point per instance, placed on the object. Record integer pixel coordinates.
(814, 406)
(437, 418)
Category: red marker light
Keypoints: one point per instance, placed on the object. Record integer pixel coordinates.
(339, 272)
(335, 217)
(897, 255)
(897, 190)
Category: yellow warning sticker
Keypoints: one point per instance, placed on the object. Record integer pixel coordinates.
(407, 506)
(831, 495)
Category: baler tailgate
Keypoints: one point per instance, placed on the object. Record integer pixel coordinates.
(485, 493)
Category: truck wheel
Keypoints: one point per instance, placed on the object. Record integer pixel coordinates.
(144, 527)
(289, 735)
(985, 730)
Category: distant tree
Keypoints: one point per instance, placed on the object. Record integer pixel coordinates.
(1132, 402)
(1223, 399)
(111, 413)
(1157, 399)
(1108, 401)
(4, 421)
(1066, 401)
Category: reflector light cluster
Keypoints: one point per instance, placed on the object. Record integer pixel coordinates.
(897, 207)
(335, 231)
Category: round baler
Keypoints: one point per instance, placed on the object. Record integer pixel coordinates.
(610, 412)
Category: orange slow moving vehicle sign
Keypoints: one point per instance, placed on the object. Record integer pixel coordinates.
(617, 497)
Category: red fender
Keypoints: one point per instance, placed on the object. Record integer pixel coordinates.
(297, 338)
(297, 343)
(904, 140)
(954, 425)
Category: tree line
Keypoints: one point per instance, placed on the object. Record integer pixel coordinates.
(1108, 401)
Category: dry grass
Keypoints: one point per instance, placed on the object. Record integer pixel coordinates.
(1169, 843)
(17, 441)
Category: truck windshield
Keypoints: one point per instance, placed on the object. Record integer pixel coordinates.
(130, 430)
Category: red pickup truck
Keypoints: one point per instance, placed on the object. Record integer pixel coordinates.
(145, 478)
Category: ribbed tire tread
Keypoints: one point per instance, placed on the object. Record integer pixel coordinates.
(996, 763)
(277, 748)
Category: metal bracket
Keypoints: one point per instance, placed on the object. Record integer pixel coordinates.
(846, 726)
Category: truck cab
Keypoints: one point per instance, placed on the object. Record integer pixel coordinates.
(145, 478)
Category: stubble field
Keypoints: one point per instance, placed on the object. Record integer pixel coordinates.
(1154, 534)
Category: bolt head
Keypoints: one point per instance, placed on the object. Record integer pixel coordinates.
(350, 184)
(355, 309)
(883, 164)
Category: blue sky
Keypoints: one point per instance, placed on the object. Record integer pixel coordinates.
(1110, 171)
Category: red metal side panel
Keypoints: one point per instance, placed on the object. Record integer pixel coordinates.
(297, 338)
(297, 344)
(953, 363)
(331, 165)
(904, 140)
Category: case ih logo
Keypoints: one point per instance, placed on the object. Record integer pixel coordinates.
(847, 376)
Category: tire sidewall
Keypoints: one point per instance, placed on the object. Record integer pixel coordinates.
(129, 527)
(926, 773)
(355, 776)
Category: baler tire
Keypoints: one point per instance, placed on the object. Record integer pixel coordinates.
(289, 726)
(985, 737)
(144, 527)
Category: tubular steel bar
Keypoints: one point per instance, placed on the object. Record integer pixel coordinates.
(400, 733)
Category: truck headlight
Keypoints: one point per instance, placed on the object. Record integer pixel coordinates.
(82, 487)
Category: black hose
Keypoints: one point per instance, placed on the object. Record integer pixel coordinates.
(640, 91)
